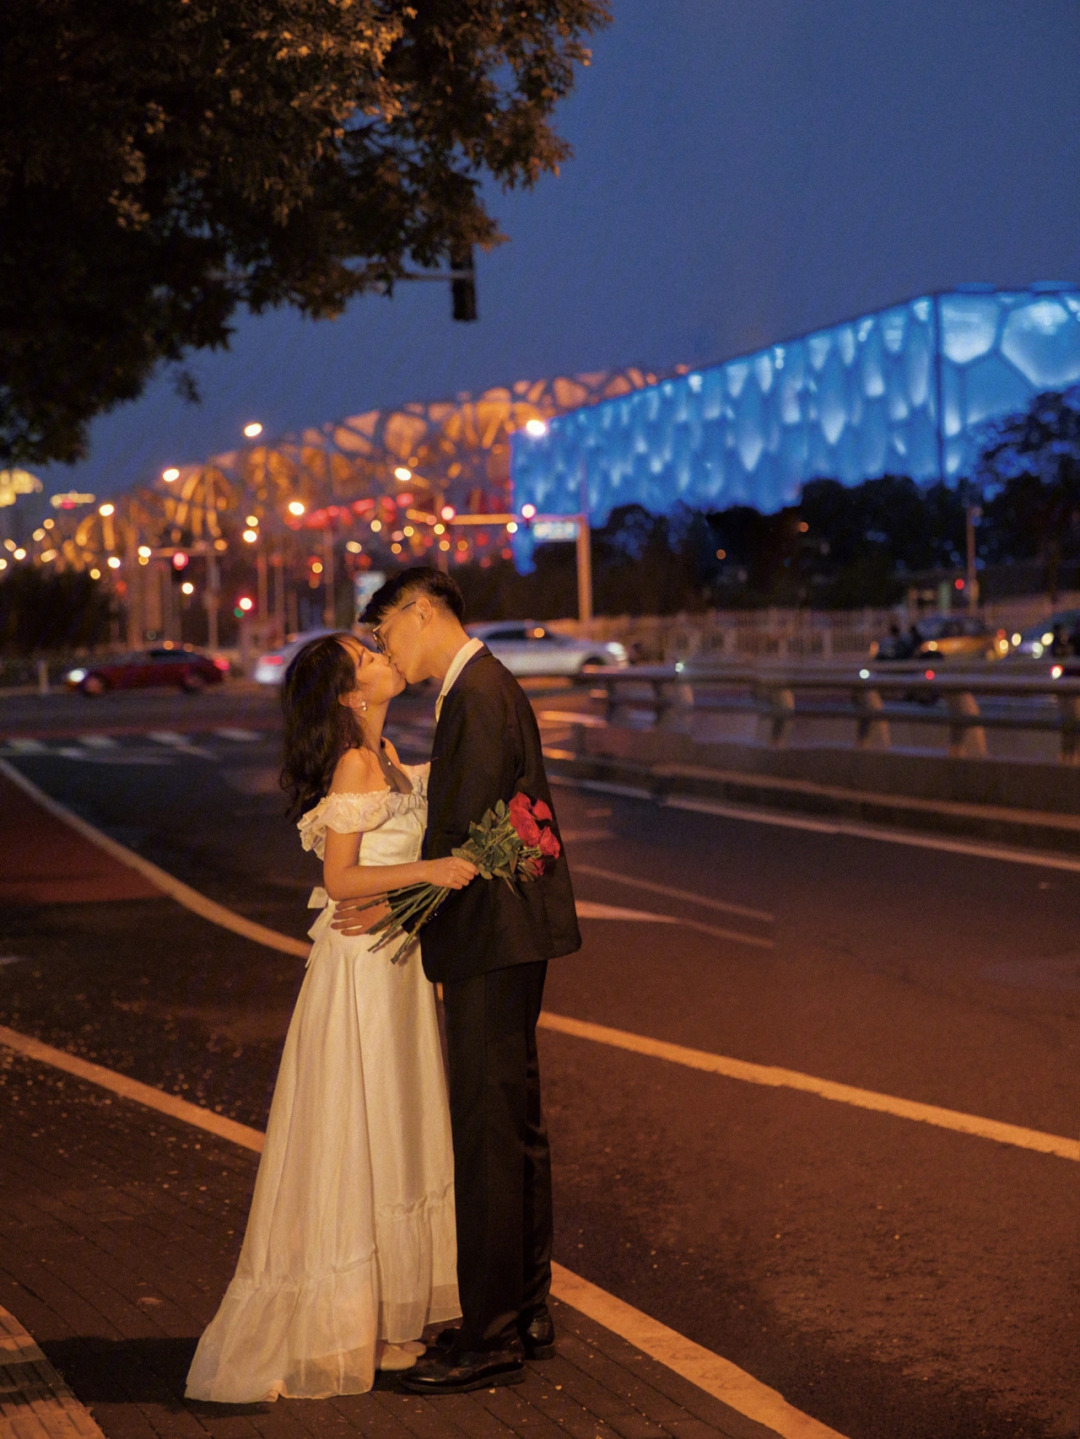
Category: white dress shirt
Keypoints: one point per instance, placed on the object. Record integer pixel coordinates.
(457, 664)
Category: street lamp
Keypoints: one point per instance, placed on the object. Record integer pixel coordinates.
(170, 475)
(254, 430)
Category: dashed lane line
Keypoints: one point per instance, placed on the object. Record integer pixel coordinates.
(689, 896)
(708, 1371)
(167, 883)
(776, 1078)
(770, 1075)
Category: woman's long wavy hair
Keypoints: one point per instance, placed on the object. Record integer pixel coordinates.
(318, 730)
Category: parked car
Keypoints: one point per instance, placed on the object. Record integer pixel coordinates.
(942, 637)
(270, 668)
(1058, 634)
(180, 665)
(528, 648)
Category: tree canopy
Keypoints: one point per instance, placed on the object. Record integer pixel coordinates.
(164, 161)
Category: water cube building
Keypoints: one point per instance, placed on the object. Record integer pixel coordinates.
(901, 391)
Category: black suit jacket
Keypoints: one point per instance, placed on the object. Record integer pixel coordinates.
(487, 748)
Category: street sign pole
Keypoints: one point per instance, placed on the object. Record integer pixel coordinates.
(548, 528)
(583, 541)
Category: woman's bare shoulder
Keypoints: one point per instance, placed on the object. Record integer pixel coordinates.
(357, 772)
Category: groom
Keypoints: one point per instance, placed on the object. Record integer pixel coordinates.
(488, 945)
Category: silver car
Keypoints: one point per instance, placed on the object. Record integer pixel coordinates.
(528, 648)
(270, 668)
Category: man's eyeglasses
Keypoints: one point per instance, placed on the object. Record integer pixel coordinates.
(377, 632)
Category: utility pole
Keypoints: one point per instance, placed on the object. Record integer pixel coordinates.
(973, 514)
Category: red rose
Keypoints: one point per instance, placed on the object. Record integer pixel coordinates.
(549, 845)
(526, 828)
(541, 811)
(529, 867)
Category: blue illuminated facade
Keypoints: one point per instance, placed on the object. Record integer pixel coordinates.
(902, 391)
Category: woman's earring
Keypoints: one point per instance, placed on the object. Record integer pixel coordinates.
(363, 707)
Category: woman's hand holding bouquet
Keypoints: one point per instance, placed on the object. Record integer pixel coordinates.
(513, 842)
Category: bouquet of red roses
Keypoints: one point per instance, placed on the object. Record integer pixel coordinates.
(513, 842)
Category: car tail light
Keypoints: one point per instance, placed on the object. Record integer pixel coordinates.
(271, 659)
(221, 663)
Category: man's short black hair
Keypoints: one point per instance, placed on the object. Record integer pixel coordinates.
(409, 585)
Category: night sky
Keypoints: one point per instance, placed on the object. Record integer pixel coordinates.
(744, 170)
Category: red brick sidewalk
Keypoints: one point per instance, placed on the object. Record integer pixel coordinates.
(119, 1230)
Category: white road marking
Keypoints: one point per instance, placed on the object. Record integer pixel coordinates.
(587, 910)
(684, 894)
(26, 746)
(1006, 853)
(14, 959)
(179, 743)
(98, 741)
(708, 1371)
(126, 1088)
(241, 736)
(678, 1054)
(176, 889)
(772, 1076)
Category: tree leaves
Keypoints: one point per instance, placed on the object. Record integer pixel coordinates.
(162, 161)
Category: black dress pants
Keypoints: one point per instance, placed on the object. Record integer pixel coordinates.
(502, 1166)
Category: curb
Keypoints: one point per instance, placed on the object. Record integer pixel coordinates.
(34, 1400)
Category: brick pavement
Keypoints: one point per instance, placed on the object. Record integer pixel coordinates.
(119, 1229)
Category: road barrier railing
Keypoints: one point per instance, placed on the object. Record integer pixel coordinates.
(967, 702)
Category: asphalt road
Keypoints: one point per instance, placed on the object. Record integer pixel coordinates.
(890, 1278)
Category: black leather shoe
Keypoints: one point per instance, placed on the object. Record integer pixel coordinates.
(538, 1335)
(449, 1372)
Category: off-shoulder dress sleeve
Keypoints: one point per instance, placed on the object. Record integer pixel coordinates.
(344, 814)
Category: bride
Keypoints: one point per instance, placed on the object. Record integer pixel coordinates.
(349, 1250)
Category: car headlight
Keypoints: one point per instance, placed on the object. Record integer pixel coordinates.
(1036, 649)
(75, 676)
(616, 649)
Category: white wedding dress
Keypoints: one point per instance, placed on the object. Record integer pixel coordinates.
(350, 1239)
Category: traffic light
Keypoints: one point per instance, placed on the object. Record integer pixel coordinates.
(179, 565)
(463, 290)
(244, 605)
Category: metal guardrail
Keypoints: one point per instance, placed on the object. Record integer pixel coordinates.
(870, 699)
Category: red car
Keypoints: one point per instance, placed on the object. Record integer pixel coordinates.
(186, 669)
